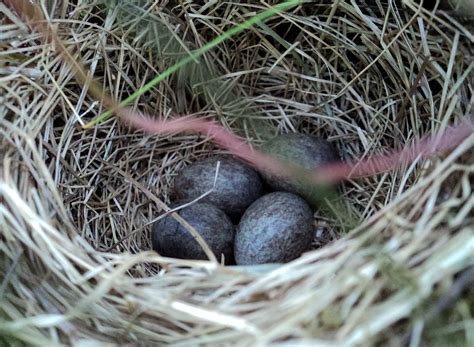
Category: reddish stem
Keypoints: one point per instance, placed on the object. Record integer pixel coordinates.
(223, 137)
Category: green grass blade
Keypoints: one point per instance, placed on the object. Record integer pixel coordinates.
(195, 54)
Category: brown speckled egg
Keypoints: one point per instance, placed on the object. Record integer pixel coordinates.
(303, 150)
(171, 239)
(276, 228)
(237, 186)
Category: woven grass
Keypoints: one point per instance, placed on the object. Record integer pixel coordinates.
(76, 205)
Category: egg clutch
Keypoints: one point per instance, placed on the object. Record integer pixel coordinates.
(243, 218)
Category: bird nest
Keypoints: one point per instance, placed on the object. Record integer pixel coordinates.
(77, 204)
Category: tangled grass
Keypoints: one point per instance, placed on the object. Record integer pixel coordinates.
(77, 204)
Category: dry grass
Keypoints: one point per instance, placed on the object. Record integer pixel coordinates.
(368, 78)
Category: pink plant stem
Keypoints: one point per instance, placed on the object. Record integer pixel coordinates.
(426, 147)
(330, 173)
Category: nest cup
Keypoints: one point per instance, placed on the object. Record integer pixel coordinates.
(77, 205)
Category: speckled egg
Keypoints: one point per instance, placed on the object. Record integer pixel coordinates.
(276, 228)
(237, 186)
(303, 150)
(171, 239)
